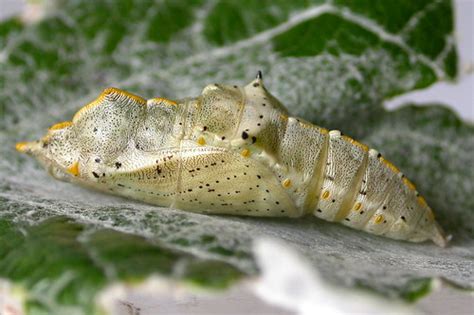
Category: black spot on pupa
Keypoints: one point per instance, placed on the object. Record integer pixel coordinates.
(95, 175)
(334, 200)
(97, 160)
(347, 219)
(384, 207)
(403, 218)
(223, 138)
(245, 135)
(204, 128)
(261, 116)
(95, 129)
(319, 210)
(256, 84)
(254, 139)
(379, 155)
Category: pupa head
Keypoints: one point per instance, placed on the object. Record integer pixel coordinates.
(55, 151)
(99, 131)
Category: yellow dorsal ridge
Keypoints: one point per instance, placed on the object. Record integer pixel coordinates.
(113, 90)
(161, 100)
(60, 125)
(356, 143)
(324, 131)
(74, 169)
(422, 201)
(408, 183)
(107, 92)
(389, 165)
(394, 169)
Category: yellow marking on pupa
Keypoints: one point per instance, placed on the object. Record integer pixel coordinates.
(409, 184)
(389, 165)
(74, 169)
(134, 97)
(378, 219)
(201, 141)
(162, 100)
(324, 131)
(60, 125)
(356, 143)
(283, 117)
(286, 182)
(245, 153)
(101, 98)
(326, 194)
(357, 206)
(21, 147)
(422, 201)
(430, 214)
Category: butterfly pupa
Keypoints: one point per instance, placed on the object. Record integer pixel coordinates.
(233, 150)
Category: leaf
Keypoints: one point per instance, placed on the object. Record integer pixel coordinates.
(333, 64)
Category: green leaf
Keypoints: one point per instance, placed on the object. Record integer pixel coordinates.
(333, 63)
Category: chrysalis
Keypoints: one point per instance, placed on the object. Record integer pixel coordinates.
(232, 150)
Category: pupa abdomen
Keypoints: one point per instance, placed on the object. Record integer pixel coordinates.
(233, 150)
